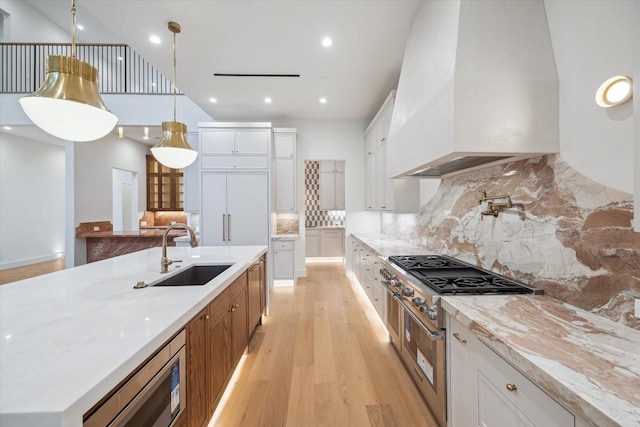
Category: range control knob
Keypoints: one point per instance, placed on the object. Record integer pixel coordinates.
(387, 274)
(431, 310)
(407, 292)
(418, 301)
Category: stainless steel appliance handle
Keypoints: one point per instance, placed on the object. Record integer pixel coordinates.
(224, 221)
(433, 335)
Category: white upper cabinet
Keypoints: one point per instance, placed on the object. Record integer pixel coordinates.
(284, 143)
(232, 146)
(332, 183)
(382, 193)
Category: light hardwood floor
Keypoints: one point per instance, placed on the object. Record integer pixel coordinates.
(18, 273)
(321, 359)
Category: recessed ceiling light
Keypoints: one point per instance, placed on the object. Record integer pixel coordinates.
(267, 100)
(153, 84)
(213, 100)
(80, 27)
(155, 39)
(326, 42)
(6, 127)
(323, 100)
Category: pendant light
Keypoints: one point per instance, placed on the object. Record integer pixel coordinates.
(174, 150)
(68, 104)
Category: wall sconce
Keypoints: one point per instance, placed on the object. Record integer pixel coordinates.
(120, 132)
(614, 91)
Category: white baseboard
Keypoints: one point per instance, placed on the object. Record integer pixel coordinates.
(23, 262)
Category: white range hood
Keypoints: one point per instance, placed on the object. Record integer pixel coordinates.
(478, 87)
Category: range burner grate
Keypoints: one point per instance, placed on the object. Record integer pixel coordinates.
(449, 276)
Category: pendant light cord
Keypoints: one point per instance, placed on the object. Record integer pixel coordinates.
(175, 77)
(73, 30)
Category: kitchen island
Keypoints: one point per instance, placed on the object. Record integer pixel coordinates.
(68, 338)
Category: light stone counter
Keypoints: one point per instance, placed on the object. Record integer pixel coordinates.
(587, 362)
(67, 338)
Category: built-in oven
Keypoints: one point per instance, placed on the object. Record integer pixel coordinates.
(423, 353)
(154, 396)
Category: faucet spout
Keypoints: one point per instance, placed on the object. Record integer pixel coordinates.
(166, 262)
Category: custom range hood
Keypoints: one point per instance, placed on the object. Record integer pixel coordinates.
(478, 87)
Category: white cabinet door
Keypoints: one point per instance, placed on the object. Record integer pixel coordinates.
(213, 206)
(370, 182)
(331, 243)
(247, 209)
(312, 243)
(462, 369)
(339, 191)
(283, 264)
(284, 185)
(327, 191)
(284, 144)
(380, 180)
(217, 141)
(252, 141)
(327, 166)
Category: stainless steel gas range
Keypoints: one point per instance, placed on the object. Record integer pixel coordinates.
(415, 319)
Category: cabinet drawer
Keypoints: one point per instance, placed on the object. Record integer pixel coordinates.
(233, 162)
(496, 374)
(283, 244)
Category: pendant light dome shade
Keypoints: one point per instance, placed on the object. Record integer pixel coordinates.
(68, 104)
(174, 150)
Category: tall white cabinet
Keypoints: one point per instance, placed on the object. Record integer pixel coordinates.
(284, 150)
(234, 183)
(332, 185)
(382, 193)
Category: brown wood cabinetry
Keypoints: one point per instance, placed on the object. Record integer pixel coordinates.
(256, 293)
(165, 187)
(216, 339)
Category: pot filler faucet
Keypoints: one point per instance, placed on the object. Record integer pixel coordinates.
(166, 262)
(491, 205)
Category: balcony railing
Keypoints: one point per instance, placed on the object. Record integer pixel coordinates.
(120, 69)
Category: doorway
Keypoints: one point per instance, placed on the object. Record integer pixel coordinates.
(125, 200)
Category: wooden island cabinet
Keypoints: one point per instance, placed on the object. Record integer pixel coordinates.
(216, 339)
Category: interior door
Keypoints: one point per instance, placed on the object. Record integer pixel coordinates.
(247, 209)
(214, 206)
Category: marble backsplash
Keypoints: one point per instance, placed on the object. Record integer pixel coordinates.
(565, 234)
(287, 223)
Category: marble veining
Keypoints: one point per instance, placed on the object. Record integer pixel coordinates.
(565, 234)
(589, 363)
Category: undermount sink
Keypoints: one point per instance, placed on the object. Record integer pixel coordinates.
(196, 275)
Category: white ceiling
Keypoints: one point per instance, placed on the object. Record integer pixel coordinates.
(220, 36)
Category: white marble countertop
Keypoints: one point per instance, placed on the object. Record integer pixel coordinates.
(588, 362)
(284, 237)
(67, 338)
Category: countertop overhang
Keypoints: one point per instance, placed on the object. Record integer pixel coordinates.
(67, 338)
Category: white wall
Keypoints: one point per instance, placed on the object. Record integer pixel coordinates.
(32, 192)
(592, 41)
(333, 140)
(94, 162)
(25, 24)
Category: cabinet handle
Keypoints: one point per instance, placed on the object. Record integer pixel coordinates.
(206, 316)
(224, 220)
(462, 340)
(236, 305)
(232, 309)
(511, 387)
